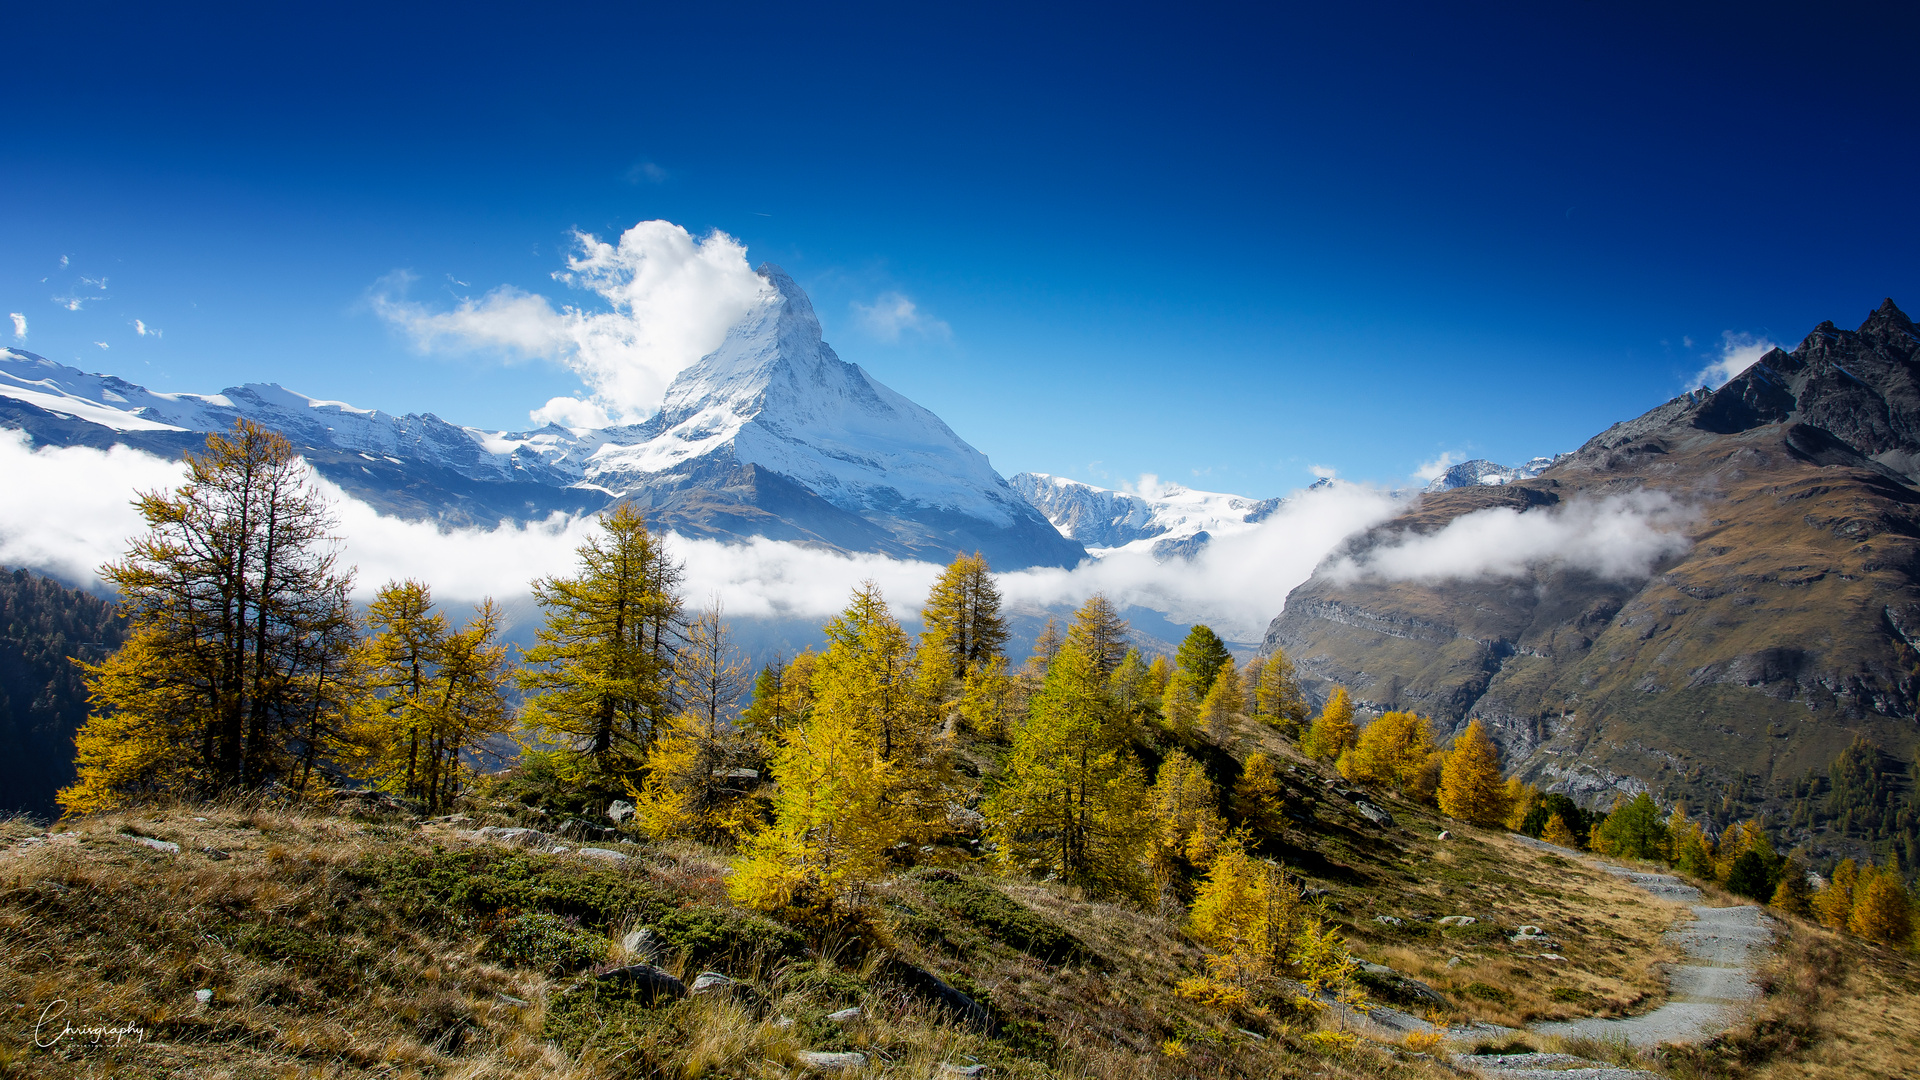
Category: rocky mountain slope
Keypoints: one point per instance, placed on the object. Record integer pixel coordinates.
(1171, 522)
(1482, 471)
(771, 435)
(1786, 626)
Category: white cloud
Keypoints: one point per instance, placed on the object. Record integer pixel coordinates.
(140, 327)
(1147, 487)
(19, 324)
(1324, 472)
(892, 314)
(570, 412)
(63, 262)
(1738, 352)
(1237, 583)
(1431, 470)
(71, 303)
(102, 344)
(672, 299)
(1619, 537)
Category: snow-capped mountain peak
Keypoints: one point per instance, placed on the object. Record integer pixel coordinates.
(1166, 520)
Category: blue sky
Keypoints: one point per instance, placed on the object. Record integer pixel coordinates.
(1216, 244)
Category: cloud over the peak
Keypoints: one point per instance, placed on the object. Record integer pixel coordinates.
(1431, 470)
(892, 314)
(1738, 352)
(670, 297)
(1620, 537)
(19, 324)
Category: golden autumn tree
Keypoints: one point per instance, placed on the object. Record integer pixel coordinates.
(862, 773)
(1470, 785)
(691, 787)
(988, 698)
(1333, 730)
(1071, 793)
(238, 662)
(1794, 894)
(1390, 751)
(1833, 905)
(962, 616)
(1101, 633)
(1183, 807)
(1560, 833)
(1223, 703)
(782, 696)
(1882, 909)
(1263, 931)
(599, 679)
(1258, 799)
(1277, 696)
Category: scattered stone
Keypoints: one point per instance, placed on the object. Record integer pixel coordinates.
(215, 854)
(1551, 956)
(602, 853)
(1458, 920)
(950, 1071)
(824, 1062)
(199, 819)
(1254, 1035)
(203, 996)
(644, 977)
(558, 849)
(712, 982)
(932, 987)
(1373, 813)
(167, 846)
(1389, 920)
(1455, 962)
(1445, 835)
(643, 943)
(783, 1022)
(620, 811)
(1532, 935)
(736, 774)
(846, 1016)
(509, 999)
(516, 837)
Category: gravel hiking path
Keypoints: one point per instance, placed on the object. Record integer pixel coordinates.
(1724, 944)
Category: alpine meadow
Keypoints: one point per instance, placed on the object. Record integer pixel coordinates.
(661, 542)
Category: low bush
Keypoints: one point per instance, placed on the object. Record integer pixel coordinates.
(549, 943)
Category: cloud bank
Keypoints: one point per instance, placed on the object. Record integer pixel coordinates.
(671, 298)
(1620, 537)
(892, 314)
(1738, 352)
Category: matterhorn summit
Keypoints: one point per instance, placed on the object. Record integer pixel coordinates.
(770, 435)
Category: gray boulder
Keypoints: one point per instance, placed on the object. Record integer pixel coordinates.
(643, 978)
(620, 811)
(824, 1062)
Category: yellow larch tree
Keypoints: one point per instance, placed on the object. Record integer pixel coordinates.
(1470, 785)
(1258, 798)
(1278, 698)
(1223, 704)
(1390, 751)
(1183, 807)
(1833, 905)
(696, 779)
(1332, 733)
(1264, 933)
(1560, 833)
(1882, 909)
(962, 616)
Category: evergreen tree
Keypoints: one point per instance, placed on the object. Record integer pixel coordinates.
(1470, 786)
(1279, 697)
(690, 789)
(45, 628)
(962, 615)
(600, 678)
(782, 697)
(1200, 656)
(1183, 809)
(1692, 853)
(1100, 632)
(1633, 830)
(1180, 703)
(1333, 731)
(1250, 684)
(240, 639)
(1222, 704)
(1737, 841)
(1882, 909)
(1071, 792)
(1131, 686)
(1833, 905)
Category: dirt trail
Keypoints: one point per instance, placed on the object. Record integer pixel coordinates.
(1724, 947)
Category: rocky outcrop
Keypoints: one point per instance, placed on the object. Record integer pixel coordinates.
(1785, 627)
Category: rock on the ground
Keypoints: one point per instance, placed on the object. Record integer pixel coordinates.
(825, 1062)
(643, 977)
(515, 837)
(167, 846)
(1458, 920)
(620, 810)
(950, 1071)
(1375, 814)
(933, 988)
(643, 943)
(845, 1016)
(712, 982)
(606, 854)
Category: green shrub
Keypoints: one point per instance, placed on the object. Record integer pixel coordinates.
(547, 942)
(439, 884)
(1487, 992)
(705, 933)
(1004, 918)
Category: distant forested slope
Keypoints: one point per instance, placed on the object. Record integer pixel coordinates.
(43, 625)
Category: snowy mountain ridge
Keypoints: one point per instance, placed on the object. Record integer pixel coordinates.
(771, 434)
(1169, 521)
(1482, 472)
